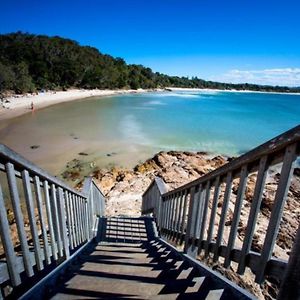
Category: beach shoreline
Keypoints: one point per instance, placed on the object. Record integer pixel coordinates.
(178, 89)
(18, 105)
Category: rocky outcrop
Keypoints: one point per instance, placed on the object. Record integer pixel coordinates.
(174, 167)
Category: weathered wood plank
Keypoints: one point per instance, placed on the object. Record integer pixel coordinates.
(236, 213)
(223, 215)
(204, 208)
(81, 219)
(74, 220)
(56, 224)
(15, 199)
(62, 221)
(176, 216)
(32, 220)
(183, 217)
(254, 210)
(37, 187)
(191, 224)
(50, 221)
(213, 213)
(69, 221)
(10, 255)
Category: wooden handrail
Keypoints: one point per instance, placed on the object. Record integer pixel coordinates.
(67, 218)
(188, 214)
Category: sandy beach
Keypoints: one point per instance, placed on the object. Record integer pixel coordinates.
(17, 105)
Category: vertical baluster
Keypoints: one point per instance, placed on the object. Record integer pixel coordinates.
(91, 202)
(82, 218)
(172, 213)
(32, 221)
(255, 208)
(86, 219)
(165, 213)
(160, 211)
(225, 204)
(176, 217)
(10, 255)
(37, 186)
(163, 223)
(15, 199)
(276, 214)
(56, 220)
(182, 223)
(195, 234)
(50, 221)
(77, 220)
(204, 208)
(62, 221)
(212, 215)
(200, 216)
(168, 214)
(73, 221)
(236, 214)
(69, 221)
(191, 223)
(179, 216)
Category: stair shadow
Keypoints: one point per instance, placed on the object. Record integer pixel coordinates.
(163, 262)
(121, 263)
(125, 230)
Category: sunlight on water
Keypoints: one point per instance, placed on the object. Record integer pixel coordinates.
(127, 129)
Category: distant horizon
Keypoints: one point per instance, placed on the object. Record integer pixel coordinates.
(254, 42)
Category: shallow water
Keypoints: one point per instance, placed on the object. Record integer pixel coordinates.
(126, 129)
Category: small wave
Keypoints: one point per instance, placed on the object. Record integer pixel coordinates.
(155, 102)
(179, 95)
(132, 132)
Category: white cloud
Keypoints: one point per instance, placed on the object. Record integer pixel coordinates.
(284, 77)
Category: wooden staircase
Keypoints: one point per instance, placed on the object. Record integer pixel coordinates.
(129, 261)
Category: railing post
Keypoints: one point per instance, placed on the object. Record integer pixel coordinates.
(62, 219)
(290, 287)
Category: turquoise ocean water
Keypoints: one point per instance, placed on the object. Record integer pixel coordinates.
(126, 129)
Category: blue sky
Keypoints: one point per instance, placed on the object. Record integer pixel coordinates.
(234, 41)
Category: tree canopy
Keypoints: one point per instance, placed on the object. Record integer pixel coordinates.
(37, 62)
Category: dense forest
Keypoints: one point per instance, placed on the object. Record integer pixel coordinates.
(29, 63)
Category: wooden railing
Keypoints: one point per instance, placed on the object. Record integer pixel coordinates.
(189, 215)
(42, 220)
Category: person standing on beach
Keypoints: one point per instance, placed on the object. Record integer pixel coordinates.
(32, 106)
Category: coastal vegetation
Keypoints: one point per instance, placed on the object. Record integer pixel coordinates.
(29, 63)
